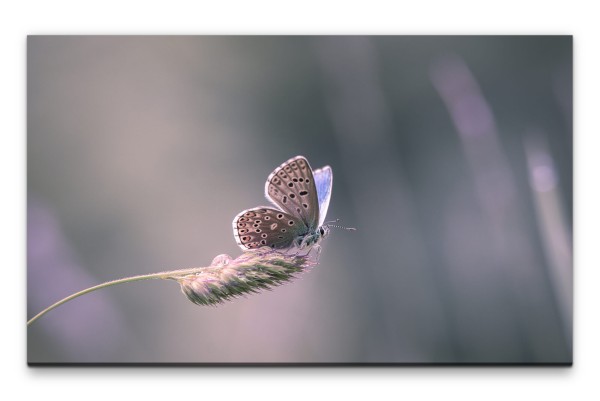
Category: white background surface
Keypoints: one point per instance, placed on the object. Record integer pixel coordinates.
(272, 17)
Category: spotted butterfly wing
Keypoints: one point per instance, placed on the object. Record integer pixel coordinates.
(292, 187)
(265, 226)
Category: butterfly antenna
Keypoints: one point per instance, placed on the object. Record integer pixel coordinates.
(328, 224)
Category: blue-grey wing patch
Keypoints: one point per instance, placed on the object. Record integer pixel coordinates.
(323, 181)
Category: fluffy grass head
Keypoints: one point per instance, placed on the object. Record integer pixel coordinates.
(251, 272)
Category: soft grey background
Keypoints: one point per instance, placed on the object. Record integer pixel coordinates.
(451, 155)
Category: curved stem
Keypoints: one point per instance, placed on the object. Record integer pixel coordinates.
(162, 275)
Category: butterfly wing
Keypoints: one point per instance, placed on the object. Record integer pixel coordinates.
(292, 187)
(323, 182)
(264, 226)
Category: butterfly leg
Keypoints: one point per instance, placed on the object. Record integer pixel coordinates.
(314, 252)
(306, 241)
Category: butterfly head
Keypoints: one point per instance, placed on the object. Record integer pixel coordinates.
(312, 237)
(323, 231)
(320, 233)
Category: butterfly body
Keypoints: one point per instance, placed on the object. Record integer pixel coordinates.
(301, 197)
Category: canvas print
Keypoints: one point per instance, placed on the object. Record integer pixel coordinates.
(291, 200)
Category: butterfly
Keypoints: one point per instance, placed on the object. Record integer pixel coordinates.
(301, 196)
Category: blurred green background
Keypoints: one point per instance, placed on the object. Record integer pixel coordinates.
(452, 156)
